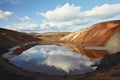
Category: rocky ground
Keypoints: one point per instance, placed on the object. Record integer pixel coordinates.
(9, 38)
(108, 69)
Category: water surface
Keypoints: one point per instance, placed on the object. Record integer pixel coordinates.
(52, 59)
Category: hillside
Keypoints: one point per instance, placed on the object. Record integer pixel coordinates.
(9, 38)
(104, 34)
(108, 69)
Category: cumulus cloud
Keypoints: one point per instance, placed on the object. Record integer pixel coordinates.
(65, 12)
(69, 15)
(65, 17)
(103, 11)
(5, 14)
(62, 24)
(25, 19)
(23, 27)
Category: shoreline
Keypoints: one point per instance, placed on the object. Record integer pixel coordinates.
(4, 59)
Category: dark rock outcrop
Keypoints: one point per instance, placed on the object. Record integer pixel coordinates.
(110, 60)
(108, 69)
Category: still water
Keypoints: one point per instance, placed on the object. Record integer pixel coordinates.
(52, 59)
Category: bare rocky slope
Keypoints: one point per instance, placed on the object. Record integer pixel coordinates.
(108, 69)
(104, 34)
(9, 38)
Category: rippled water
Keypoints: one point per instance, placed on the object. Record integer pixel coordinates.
(52, 59)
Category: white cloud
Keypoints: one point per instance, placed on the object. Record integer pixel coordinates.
(64, 18)
(5, 14)
(69, 15)
(22, 27)
(25, 19)
(104, 11)
(62, 24)
(65, 12)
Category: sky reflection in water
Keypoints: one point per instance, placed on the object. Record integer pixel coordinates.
(52, 59)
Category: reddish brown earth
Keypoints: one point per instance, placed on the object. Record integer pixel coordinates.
(9, 38)
(108, 69)
(96, 35)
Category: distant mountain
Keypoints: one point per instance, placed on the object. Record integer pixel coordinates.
(94, 40)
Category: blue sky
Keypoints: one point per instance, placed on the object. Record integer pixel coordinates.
(56, 15)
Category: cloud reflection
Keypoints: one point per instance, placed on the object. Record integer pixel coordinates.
(55, 56)
(66, 63)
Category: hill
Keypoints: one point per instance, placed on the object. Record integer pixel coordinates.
(105, 35)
